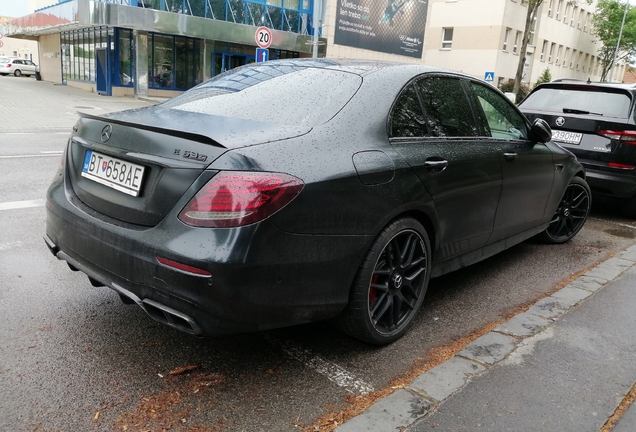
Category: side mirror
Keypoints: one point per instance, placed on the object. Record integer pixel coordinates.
(541, 130)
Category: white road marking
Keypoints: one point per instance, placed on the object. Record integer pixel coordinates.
(332, 371)
(58, 152)
(10, 245)
(35, 133)
(21, 204)
(30, 156)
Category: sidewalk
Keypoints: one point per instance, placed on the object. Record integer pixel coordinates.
(564, 365)
(57, 105)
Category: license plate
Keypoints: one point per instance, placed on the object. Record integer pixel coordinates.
(112, 172)
(567, 137)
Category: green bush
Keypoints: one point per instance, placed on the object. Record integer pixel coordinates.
(509, 86)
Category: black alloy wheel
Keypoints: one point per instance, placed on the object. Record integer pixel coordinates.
(571, 214)
(390, 284)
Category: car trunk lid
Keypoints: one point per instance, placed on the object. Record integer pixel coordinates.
(163, 155)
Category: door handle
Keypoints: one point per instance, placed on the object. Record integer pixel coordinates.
(510, 156)
(436, 166)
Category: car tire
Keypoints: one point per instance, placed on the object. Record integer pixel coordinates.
(390, 284)
(571, 214)
(17, 72)
(4, 74)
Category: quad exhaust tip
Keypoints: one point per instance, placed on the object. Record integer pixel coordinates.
(157, 311)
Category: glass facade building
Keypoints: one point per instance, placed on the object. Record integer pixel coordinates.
(154, 46)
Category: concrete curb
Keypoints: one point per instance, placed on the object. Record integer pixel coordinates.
(424, 394)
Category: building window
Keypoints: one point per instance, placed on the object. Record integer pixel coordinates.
(558, 56)
(506, 38)
(558, 11)
(174, 63)
(578, 24)
(550, 8)
(551, 52)
(575, 9)
(578, 60)
(573, 59)
(566, 13)
(532, 32)
(565, 57)
(517, 39)
(543, 48)
(587, 20)
(125, 64)
(447, 38)
(586, 64)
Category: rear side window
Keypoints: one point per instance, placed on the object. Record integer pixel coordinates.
(607, 104)
(446, 107)
(407, 120)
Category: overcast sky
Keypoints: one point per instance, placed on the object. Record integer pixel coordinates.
(14, 8)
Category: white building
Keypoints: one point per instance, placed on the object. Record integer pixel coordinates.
(484, 36)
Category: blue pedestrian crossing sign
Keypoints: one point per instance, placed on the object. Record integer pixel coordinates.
(489, 76)
(262, 55)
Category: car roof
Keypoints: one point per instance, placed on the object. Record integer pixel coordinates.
(360, 67)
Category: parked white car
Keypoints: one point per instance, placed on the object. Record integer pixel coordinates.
(17, 66)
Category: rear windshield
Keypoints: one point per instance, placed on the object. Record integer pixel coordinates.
(595, 102)
(281, 94)
(4, 60)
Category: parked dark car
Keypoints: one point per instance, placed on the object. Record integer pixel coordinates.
(293, 191)
(596, 122)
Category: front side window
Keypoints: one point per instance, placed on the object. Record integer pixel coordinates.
(446, 107)
(502, 120)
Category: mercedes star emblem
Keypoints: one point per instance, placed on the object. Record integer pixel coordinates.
(107, 131)
(560, 121)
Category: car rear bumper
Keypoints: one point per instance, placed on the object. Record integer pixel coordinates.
(260, 277)
(620, 184)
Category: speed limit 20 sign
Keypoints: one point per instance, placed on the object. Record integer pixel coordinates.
(263, 37)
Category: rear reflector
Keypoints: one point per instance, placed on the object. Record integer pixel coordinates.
(625, 137)
(237, 198)
(620, 165)
(183, 267)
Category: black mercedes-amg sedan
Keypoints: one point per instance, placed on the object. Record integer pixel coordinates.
(293, 191)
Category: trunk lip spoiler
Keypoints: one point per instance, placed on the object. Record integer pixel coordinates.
(171, 132)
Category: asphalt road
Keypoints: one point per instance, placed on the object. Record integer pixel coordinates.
(73, 357)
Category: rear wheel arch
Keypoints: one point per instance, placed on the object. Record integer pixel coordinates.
(390, 283)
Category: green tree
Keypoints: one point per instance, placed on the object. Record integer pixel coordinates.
(546, 76)
(607, 26)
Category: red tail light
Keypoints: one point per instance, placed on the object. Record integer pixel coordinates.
(236, 198)
(626, 137)
(8, 65)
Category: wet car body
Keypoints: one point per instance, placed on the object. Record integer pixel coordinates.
(596, 122)
(473, 198)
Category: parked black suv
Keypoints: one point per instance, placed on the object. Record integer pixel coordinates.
(596, 122)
